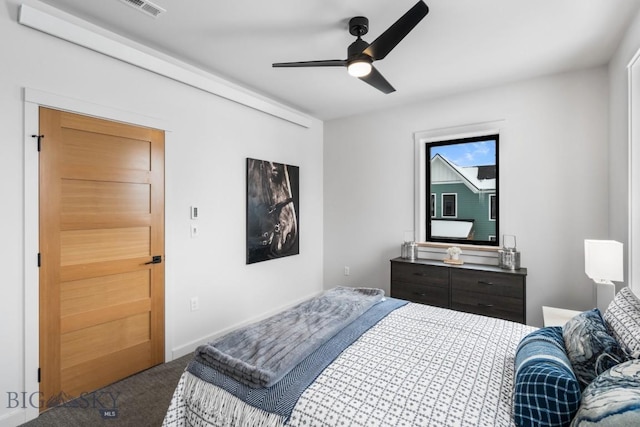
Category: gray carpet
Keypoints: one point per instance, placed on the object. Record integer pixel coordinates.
(140, 400)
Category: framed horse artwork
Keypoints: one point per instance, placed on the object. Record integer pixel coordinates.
(272, 210)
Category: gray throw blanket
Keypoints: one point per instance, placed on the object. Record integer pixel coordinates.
(260, 354)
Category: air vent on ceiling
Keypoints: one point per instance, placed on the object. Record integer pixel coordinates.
(145, 6)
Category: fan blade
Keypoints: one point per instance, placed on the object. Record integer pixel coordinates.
(375, 79)
(395, 33)
(327, 63)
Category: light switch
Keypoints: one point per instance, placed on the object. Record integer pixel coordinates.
(194, 212)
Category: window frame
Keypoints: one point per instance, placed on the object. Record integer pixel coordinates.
(421, 140)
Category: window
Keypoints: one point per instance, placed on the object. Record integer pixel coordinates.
(449, 202)
(459, 170)
(433, 205)
(493, 213)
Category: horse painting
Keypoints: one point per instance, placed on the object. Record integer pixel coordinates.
(272, 210)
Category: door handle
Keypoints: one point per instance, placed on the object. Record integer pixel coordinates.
(157, 259)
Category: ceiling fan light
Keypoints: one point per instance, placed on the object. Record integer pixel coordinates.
(359, 68)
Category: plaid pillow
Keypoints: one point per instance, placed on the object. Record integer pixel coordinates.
(623, 318)
(546, 391)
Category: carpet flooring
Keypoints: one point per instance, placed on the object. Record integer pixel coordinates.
(140, 400)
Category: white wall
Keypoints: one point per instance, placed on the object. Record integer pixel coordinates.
(206, 148)
(553, 181)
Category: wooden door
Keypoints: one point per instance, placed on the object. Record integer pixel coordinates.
(101, 224)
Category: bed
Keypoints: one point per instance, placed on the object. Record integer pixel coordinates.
(397, 363)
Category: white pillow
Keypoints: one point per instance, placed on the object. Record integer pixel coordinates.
(623, 318)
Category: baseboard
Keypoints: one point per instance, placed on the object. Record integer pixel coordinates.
(14, 418)
(190, 347)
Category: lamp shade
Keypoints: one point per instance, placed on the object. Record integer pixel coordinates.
(603, 260)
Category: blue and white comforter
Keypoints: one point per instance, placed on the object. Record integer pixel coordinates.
(419, 366)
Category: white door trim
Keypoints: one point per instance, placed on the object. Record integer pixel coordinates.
(633, 99)
(33, 99)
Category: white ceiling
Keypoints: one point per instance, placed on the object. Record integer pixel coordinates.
(459, 46)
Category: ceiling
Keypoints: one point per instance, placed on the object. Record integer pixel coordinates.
(459, 46)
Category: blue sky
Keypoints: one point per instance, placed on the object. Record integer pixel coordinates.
(467, 154)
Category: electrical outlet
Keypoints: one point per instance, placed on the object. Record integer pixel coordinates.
(195, 304)
(347, 271)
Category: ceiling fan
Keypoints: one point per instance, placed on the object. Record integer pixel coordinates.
(360, 54)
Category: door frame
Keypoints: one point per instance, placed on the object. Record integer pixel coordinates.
(33, 99)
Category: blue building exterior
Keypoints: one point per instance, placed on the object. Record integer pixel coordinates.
(463, 201)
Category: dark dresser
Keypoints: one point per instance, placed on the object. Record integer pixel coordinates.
(474, 288)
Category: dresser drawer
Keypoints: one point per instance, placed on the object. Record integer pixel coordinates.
(420, 274)
(489, 305)
(423, 294)
(487, 283)
(479, 289)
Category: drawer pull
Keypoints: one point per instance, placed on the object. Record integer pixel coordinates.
(420, 294)
(485, 305)
(484, 282)
(420, 274)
